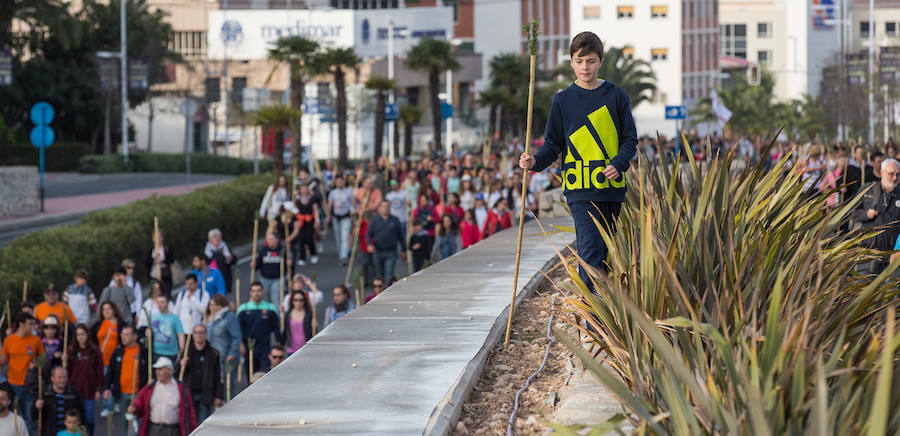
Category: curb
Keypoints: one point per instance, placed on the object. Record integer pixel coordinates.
(449, 409)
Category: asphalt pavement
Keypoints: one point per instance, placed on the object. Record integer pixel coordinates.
(74, 184)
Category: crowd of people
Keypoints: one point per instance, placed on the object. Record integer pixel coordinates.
(140, 353)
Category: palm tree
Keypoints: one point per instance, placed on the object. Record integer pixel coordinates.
(336, 60)
(509, 72)
(433, 56)
(410, 115)
(298, 52)
(277, 117)
(381, 86)
(494, 99)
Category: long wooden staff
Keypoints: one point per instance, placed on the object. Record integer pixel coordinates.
(65, 333)
(149, 343)
(360, 289)
(354, 241)
(237, 290)
(40, 377)
(187, 350)
(251, 343)
(25, 290)
(8, 316)
(229, 365)
(15, 415)
(531, 29)
(134, 390)
(158, 247)
(409, 229)
(254, 242)
(863, 182)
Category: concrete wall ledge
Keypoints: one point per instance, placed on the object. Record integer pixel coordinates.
(404, 363)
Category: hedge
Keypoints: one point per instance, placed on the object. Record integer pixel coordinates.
(100, 241)
(168, 163)
(62, 156)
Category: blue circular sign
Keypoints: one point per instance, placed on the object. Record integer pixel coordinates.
(232, 33)
(42, 136)
(42, 113)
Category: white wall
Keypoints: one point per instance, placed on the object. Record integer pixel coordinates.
(643, 33)
(498, 29)
(168, 125)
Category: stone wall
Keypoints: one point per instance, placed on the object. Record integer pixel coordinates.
(552, 204)
(19, 191)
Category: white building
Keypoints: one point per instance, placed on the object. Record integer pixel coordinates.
(679, 43)
(792, 39)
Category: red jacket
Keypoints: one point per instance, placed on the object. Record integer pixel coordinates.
(495, 223)
(469, 233)
(186, 417)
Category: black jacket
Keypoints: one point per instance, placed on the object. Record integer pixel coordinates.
(268, 261)
(887, 206)
(49, 417)
(206, 364)
(307, 328)
(111, 380)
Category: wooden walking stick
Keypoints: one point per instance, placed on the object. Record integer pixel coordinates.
(254, 242)
(15, 415)
(40, 378)
(187, 350)
(237, 290)
(354, 241)
(409, 228)
(863, 166)
(158, 247)
(25, 290)
(532, 31)
(149, 343)
(250, 344)
(229, 366)
(65, 333)
(280, 302)
(360, 289)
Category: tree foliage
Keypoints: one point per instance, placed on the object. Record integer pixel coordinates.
(433, 56)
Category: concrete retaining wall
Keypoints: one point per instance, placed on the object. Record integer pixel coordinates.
(404, 363)
(19, 191)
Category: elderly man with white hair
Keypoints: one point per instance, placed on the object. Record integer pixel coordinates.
(881, 208)
(220, 256)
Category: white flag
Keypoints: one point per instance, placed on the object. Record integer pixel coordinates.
(722, 112)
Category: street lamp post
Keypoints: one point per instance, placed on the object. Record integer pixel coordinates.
(871, 80)
(390, 124)
(123, 54)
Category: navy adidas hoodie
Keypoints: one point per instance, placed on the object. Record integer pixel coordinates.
(592, 129)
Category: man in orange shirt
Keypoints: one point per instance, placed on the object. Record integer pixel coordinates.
(52, 306)
(119, 384)
(20, 352)
(368, 190)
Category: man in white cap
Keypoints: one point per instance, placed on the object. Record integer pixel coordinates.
(164, 406)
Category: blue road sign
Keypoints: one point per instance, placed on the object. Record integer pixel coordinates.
(42, 136)
(310, 108)
(676, 112)
(446, 110)
(42, 113)
(327, 120)
(391, 111)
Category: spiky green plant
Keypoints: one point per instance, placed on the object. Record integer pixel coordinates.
(733, 306)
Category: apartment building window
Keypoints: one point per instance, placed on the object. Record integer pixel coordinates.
(863, 29)
(659, 54)
(625, 12)
(628, 51)
(733, 38)
(190, 45)
(660, 11)
(764, 30)
(890, 29)
(591, 12)
(763, 57)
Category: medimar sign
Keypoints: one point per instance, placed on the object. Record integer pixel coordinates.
(248, 34)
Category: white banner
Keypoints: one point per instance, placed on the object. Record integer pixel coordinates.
(249, 34)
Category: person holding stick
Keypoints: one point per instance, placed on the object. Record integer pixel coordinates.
(159, 261)
(338, 209)
(164, 406)
(593, 173)
(20, 353)
(201, 374)
(85, 364)
(10, 422)
(119, 382)
(258, 320)
(343, 305)
(224, 334)
(51, 407)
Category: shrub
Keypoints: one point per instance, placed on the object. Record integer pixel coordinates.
(733, 306)
(168, 163)
(100, 241)
(61, 156)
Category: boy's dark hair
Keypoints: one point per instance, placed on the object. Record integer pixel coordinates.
(23, 317)
(80, 273)
(73, 413)
(586, 43)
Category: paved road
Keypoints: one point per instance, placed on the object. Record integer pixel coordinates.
(328, 275)
(74, 184)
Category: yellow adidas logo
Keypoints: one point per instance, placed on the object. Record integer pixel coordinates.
(586, 159)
